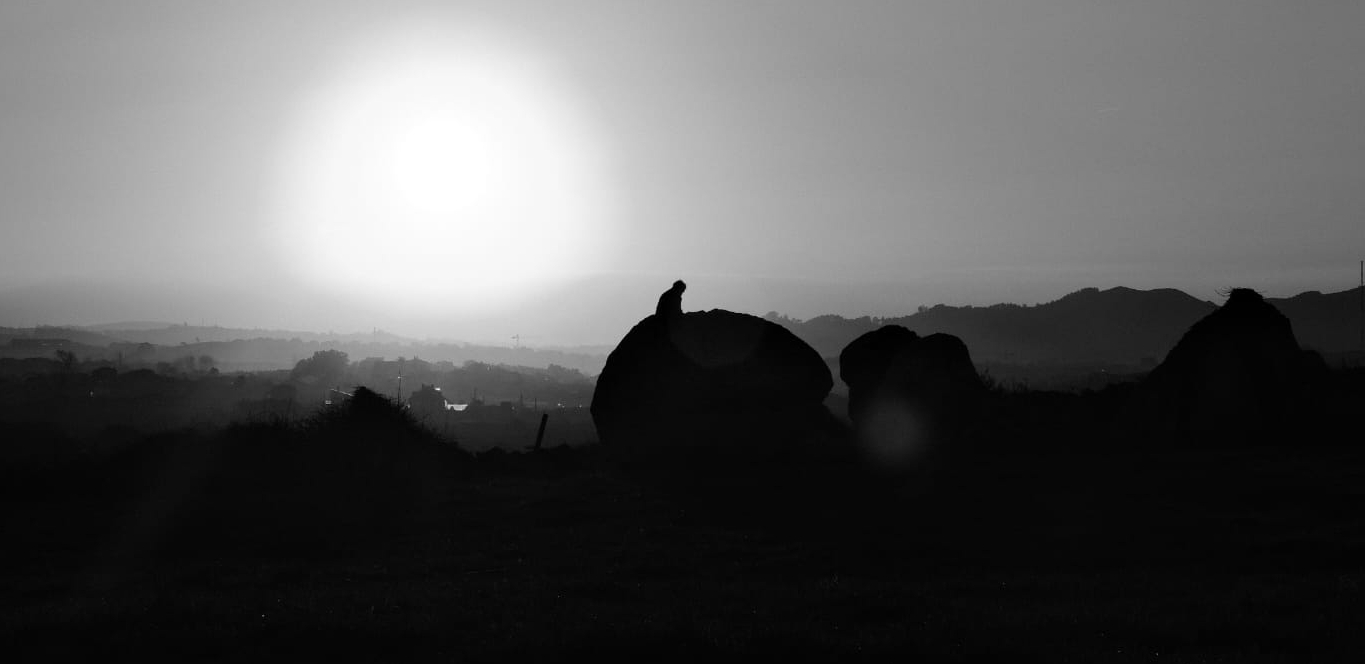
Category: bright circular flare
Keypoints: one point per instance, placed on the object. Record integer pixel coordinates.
(443, 170)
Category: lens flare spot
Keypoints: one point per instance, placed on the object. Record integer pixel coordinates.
(892, 434)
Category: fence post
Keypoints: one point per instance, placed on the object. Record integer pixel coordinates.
(540, 433)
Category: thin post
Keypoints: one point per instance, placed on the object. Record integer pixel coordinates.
(540, 433)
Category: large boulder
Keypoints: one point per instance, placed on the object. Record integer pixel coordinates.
(714, 380)
(907, 392)
(1237, 375)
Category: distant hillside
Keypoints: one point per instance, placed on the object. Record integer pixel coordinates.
(129, 325)
(164, 334)
(1325, 322)
(72, 334)
(263, 354)
(1088, 331)
(1118, 326)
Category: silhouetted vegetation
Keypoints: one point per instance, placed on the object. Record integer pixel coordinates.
(82, 398)
(325, 367)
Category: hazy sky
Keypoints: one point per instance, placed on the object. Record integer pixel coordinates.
(159, 160)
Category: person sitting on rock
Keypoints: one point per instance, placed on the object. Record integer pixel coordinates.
(670, 303)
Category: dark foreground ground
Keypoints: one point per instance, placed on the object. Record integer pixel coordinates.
(186, 549)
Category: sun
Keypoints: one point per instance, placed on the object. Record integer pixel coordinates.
(443, 169)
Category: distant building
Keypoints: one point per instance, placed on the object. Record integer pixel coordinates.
(427, 400)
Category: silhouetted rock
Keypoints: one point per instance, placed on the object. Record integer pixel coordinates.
(907, 391)
(1237, 375)
(709, 380)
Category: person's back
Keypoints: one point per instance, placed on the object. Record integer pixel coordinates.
(670, 303)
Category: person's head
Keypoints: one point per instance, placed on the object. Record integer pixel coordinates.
(679, 286)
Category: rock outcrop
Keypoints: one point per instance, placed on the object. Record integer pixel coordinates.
(714, 380)
(1237, 375)
(907, 392)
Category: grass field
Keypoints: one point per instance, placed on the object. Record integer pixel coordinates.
(1246, 555)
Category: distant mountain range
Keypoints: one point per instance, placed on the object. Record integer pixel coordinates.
(1118, 326)
(1113, 328)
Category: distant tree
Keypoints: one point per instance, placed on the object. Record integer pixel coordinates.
(206, 362)
(325, 367)
(185, 364)
(560, 374)
(282, 392)
(67, 360)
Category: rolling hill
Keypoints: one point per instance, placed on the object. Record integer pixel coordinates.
(1117, 326)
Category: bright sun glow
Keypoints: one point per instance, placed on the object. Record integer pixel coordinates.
(443, 170)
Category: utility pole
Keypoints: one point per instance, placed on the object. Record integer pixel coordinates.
(516, 341)
(400, 381)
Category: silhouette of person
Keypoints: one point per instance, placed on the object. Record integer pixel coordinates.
(670, 303)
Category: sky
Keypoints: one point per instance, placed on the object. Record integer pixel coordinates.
(478, 170)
